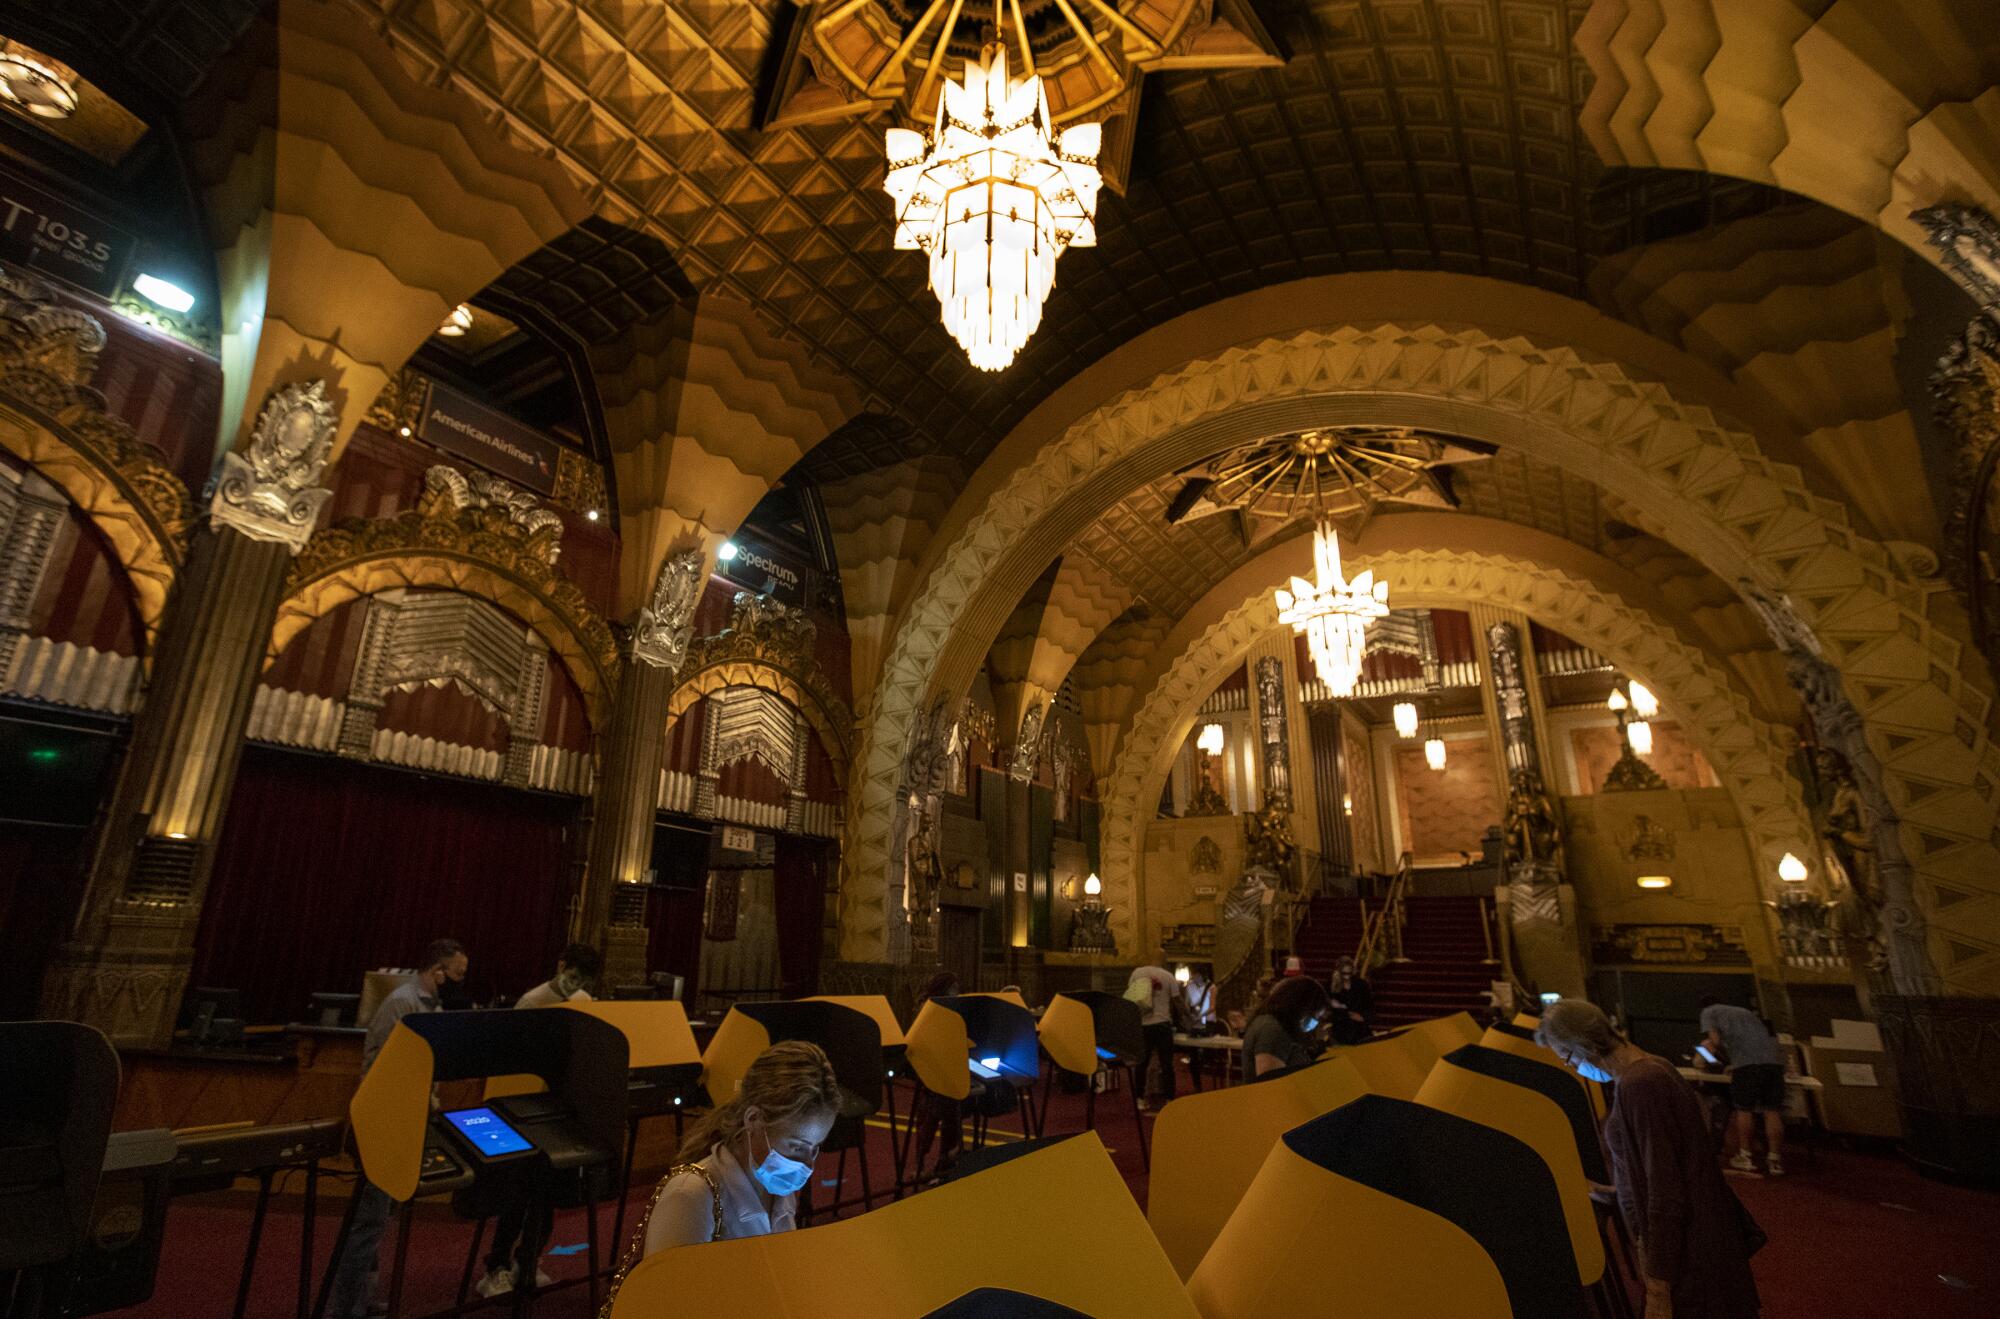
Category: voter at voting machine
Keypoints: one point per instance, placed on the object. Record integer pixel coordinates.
(444, 962)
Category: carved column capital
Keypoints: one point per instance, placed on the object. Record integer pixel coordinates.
(660, 637)
(268, 489)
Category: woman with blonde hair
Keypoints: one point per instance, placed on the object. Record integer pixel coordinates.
(743, 1164)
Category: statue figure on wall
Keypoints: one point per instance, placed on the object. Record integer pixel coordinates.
(1533, 830)
(1850, 847)
(1268, 841)
(1510, 696)
(1028, 746)
(923, 873)
(1900, 925)
(1272, 725)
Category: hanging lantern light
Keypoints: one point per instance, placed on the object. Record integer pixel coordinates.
(1405, 715)
(1332, 612)
(1434, 750)
(994, 200)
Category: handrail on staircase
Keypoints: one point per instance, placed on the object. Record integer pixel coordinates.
(1387, 923)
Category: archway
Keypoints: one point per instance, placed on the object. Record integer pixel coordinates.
(1706, 486)
(1749, 754)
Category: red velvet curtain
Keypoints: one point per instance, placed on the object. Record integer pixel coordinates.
(327, 869)
(799, 876)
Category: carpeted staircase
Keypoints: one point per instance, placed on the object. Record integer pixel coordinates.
(1447, 970)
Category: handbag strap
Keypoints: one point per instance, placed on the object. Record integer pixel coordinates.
(636, 1250)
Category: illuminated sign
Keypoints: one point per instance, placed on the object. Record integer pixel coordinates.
(760, 569)
(48, 235)
(472, 431)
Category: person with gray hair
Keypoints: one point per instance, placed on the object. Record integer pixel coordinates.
(1694, 1236)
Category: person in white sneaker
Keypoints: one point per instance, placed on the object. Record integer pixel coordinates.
(1756, 1081)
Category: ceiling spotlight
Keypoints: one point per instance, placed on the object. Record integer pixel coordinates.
(1792, 870)
(728, 551)
(404, 432)
(161, 293)
(1210, 739)
(1405, 715)
(456, 324)
(1655, 881)
(34, 87)
(591, 515)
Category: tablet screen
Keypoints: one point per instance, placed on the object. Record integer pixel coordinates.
(1702, 1049)
(990, 1072)
(488, 1132)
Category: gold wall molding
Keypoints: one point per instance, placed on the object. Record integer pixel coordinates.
(1703, 483)
(51, 418)
(769, 647)
(457, 540)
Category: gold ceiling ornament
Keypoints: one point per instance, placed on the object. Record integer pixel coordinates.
(994, 200)
(35, 84)
(1344, 473)
(845, 58)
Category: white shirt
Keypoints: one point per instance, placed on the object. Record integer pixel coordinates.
(544, 996)
(1159, 1008)
(685, 1212)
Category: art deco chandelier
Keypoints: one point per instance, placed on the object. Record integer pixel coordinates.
(1333, 612)
(994, 200)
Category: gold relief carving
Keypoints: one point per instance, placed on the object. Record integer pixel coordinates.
(48, 354)
(396, 408)
(579, 482)
(1632, 774)
(268, 489)
(472, 534)
(766, 638)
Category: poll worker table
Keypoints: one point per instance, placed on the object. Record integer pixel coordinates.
(1806, 1089)
(1206, 1050)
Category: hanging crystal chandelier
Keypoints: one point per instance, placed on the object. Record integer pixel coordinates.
(1332, 612)
(994, 202)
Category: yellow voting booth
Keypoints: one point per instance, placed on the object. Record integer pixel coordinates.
(1207, 1148)
(1393, 1210)
(1395, 1065)
(1464, 1083)
(1521, 1043)
(1058, 1225)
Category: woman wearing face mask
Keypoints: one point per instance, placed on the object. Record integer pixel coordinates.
(1284, 1028)
(1694, 1236)
(743, 1165)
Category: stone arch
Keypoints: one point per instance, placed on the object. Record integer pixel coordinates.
(553, 607)
(826, 719)
(1749, 754)
(1876, 107)
(1707, 485)
(53, 421)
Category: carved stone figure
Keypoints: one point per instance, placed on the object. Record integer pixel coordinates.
(925, 866)
(1510, 695)
(1027, 747)
(1968, 237)
(540, 528)
(1646, 839)
(660, 636)
(1806, 931)
(1906, 957)
(1533, 831)
(267, 489)
(1205, 857)
(1272, 725)
(1268, 841)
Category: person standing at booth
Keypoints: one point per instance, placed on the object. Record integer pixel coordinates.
(445, 961)
(1694, 1236)
(742, 1166)
(1154, 988)
(1756, 1066)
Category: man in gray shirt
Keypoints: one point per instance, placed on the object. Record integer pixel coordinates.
(1756, 1080)
(353, 1279)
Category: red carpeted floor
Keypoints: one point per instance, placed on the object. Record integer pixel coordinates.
(1859, 1237)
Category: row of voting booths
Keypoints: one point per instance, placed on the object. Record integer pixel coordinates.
(1445, 1169)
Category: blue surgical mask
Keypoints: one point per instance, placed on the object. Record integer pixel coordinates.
(780, 1175)
(1592, 1072)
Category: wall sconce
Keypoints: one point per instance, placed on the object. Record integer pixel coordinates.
(1405, 715)
(1655, 881)
(1792, 870)
(1346, 804)
(1210, 739)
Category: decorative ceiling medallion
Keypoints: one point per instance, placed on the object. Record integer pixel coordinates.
(844, 58)
(1348, 472)
(994, 202)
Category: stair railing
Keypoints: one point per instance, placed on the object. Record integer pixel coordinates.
(1383, 929)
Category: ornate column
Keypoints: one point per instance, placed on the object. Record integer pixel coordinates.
(630, 748)
(127, 961)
